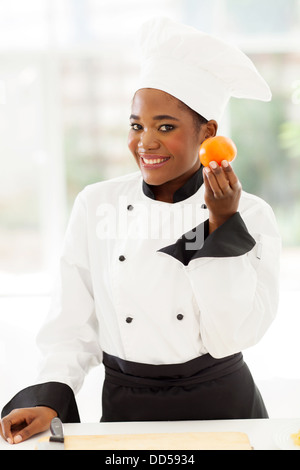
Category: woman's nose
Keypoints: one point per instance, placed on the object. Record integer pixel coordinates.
(148, 141)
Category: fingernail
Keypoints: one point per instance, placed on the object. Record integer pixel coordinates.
(207, 169)
(213, 165)
(9, 440)
(225, 163)
(17, 439)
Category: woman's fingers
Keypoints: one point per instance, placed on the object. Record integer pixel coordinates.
(5, 430)
(222, 179)
(23, 423)
(217, 180)
(26, 432)
(222, 193)
(230, 175)
(207, 185)
(18, 425)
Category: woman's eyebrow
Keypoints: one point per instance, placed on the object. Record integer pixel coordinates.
(159, 117)
(162, 117)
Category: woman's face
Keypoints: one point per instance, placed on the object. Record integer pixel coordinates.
(163, 139)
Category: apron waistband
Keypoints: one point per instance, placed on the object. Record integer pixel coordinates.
(201, 369)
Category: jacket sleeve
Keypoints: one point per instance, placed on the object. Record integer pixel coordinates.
(234, 275)
(69, 338)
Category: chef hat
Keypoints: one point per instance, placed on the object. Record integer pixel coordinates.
(196, 68)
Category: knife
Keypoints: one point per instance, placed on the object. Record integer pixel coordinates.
(56, 440)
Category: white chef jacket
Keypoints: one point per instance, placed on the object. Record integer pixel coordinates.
(117, 291)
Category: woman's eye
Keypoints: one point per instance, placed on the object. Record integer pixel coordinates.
(166, 127)
(135, 127)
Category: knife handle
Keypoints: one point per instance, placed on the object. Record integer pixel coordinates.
(57, 430)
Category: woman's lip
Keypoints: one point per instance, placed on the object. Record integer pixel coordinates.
(152, 156)
(149, 157)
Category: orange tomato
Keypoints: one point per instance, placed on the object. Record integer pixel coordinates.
(217, 149)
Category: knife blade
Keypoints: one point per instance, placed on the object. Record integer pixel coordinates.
(56, 440)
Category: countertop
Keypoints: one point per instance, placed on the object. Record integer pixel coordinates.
(264, 434)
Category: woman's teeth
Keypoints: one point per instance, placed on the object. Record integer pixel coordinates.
(153, 161)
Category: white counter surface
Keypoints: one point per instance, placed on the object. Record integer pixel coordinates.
(264, 434)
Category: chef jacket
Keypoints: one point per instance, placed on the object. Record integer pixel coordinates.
(142, 280)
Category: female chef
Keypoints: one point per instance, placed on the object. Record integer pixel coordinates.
(166, 274)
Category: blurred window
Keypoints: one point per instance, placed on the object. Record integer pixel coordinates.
(67, 71)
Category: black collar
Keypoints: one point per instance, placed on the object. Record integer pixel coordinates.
(187, 190)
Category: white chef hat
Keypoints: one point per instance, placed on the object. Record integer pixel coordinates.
(197, 68)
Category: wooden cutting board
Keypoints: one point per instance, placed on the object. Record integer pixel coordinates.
(161, 441)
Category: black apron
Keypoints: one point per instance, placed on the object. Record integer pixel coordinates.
(201, 389)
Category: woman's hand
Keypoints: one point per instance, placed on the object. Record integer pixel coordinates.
(222, 193)
(20, 424)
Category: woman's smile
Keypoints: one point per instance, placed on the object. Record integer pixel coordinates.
(153, 161)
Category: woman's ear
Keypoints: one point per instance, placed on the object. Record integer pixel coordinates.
(210, 128)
